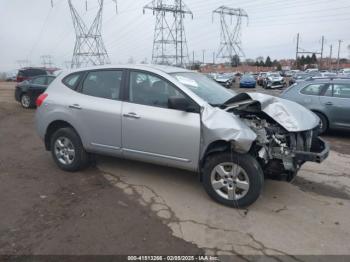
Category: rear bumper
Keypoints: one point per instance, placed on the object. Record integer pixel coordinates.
(319, 152)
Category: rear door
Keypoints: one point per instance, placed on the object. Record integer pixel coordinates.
(97, 110)
(336, 101)
(310, 96)
(153, 132)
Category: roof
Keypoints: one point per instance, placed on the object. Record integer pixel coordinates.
(150, 67)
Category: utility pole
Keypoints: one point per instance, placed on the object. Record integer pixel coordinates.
(213, 58)
(169, 42)
(321, 52)
(193, 57)
(297, 51)
(230, 43)
(203, 53)
(330, 56)
(339, 43)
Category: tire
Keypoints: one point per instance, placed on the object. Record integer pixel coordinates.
(324, 123)
(63, 141)
(249, 173)
(26, 101)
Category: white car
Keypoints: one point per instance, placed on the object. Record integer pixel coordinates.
(274, 80)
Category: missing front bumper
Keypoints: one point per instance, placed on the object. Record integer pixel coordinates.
(319, 152)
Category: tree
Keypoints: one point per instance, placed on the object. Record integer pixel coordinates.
(259, 59)
(268, 62)
(250, 61)
(308, 60)
(313, 59)
(235, 61)
(279, 67)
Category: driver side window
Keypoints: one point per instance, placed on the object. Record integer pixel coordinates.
(147, 89)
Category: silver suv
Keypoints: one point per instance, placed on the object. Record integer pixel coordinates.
(175, 117)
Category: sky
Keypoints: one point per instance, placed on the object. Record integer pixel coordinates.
(32, 28)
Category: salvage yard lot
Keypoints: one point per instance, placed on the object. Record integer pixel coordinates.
(126, 207)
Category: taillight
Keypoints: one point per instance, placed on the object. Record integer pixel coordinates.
(40, 99)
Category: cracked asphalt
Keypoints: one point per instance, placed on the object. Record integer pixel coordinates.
(126, 207)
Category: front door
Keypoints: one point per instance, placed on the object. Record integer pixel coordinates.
(153, 132)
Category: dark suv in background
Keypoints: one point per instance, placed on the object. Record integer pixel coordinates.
(30, 72)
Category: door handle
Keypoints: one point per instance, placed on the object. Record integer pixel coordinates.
(75, 106)
(329, 104)
(132, 115)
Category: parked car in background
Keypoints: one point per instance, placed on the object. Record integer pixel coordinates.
(247, 81)
(298, 77)
(10, 78)
(175, 117)
(311, 70)
(274, 80)
(225, 80)
(28, 91)
(261, 78)
(328, 98)
(30, 72)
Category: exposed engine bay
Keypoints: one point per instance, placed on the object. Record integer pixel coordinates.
(279, 152)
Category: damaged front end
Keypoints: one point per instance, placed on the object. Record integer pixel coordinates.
(285, 134)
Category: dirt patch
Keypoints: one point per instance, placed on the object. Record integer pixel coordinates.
(48, 211)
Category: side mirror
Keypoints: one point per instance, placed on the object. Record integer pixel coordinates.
(180, 103)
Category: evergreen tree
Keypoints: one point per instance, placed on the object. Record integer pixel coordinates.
(313, 59)
(268, 62)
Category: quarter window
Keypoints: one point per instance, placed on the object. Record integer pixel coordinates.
(104, 84)
(147, 89)
(72, 80)
(341, 90)
(50, 79)
(314, 89)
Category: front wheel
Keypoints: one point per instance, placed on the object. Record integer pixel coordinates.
(232, 179)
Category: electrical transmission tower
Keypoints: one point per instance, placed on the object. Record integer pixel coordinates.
(89, 48)
(230, 43)
(46, 61)
(169, 43)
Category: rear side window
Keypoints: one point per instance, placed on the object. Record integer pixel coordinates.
(50, 79)
(341, 90)
(103, 84)
(314, 89)
(39, 80)
(72, 80)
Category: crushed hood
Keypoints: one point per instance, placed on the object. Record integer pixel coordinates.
(292, 116)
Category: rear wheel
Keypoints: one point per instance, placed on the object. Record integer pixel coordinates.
(235, 180)
(26, 101)
(323, 123)
(68, 151)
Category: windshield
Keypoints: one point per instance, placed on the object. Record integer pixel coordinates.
(275, 75)
(247, 77)
(205, 88)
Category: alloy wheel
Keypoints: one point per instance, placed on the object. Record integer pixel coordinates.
(230, 181)
(64, 150)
